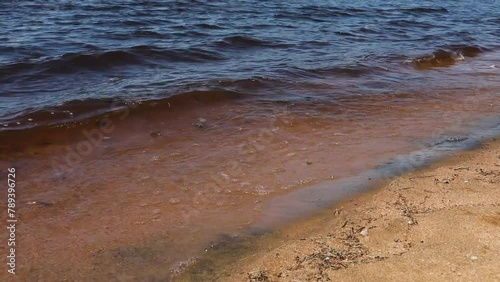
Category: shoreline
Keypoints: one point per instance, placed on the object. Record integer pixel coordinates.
(155, 223)
(437, 223)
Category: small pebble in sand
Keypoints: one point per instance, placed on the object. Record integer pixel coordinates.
(201, 122)
(364, 232)
(174, 201)
(156, 134)
(47, 204)
(260, 276)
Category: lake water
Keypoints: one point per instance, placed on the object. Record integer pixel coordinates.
(143, 131)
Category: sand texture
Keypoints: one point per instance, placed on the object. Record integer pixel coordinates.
(441, 223)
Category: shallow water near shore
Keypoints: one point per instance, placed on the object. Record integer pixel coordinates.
(138, 152)
(380, 232)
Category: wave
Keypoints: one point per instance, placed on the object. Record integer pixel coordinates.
(68, 63)
(349, 34)
(368, 30)
(410, 23)
(73, 62)
(329, 14)
(241, 42)
(445, 58)
(425, 10)
(327, 11)
(320, 13)
(301, 16)
(149, 34)
(90, 110)
(194, 55)
(103, 8)
(209, 26)
(468, 51)
(342, 71)
(251, 84)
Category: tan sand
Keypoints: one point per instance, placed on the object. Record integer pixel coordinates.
(441, 223)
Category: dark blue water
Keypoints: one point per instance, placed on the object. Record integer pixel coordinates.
(55, 52)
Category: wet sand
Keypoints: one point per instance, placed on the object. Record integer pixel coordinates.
(440, 223)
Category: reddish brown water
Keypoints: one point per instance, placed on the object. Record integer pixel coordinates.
(159, 186)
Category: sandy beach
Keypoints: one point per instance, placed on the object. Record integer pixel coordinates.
(441, 223)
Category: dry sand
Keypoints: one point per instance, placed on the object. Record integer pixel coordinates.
(441, 223)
